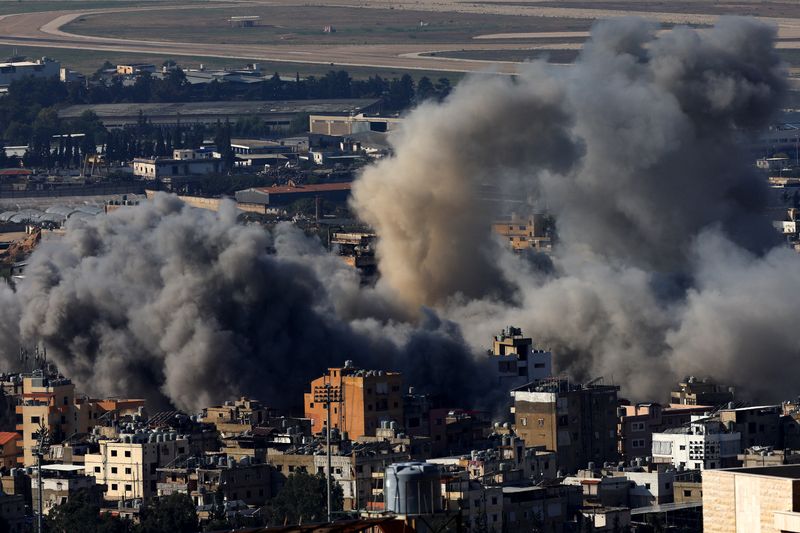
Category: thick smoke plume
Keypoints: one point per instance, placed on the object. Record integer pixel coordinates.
(174, 303)
(665, 264)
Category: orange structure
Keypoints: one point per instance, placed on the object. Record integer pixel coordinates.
(368, 398)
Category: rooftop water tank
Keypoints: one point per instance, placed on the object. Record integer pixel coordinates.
(413, 488)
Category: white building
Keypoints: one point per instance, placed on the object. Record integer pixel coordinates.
(127, 466)
(704, 444)
(516, 361)
(182, 163)
(16, 70)
(650, 488)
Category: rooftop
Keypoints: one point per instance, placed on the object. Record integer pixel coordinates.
(189, 109)
(319, 187)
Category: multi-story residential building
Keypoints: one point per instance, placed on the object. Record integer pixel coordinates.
(49, 402)
(579, 422)
(752, 500)
(525, 233)
(10, 449)
(480, 505)
(702, 445)
(357, 467)
(237, 416)
(237, 481)
(60, 483)
(693, 391)
(367, 397)
(128, 466)
(516, 362)
(758, 426)
(638, 422)
(768, 456)
(508, 462)
(457, 431)
(545, 508)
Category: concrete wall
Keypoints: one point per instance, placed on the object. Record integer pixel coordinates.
(745, 503)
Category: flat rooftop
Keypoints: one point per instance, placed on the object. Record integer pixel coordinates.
(189, 109)
(782, 471)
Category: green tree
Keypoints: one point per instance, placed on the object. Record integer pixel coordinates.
(173, 514)
(303, 498)
(81, 515)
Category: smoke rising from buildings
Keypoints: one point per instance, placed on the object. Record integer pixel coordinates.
(635, 151)
(665, 264)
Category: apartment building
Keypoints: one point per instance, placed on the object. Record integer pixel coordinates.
(525, 233)
(50, 402)
(702, 445)
(366, 398)
(752, 500)
(60, 483)
(638, 422)
(579, 422)
(516, 361)
(237, 416)
(128, 465)
(694, 391)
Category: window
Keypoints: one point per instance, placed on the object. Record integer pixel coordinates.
(113, 486)
(524, 421)
(35, 420)
(538, 365)
(647, 486)
(66, 400)
(128, 488)
(113, 469)
(127, 471)
(97, 469)
(127, 453)
(113, 453)
(637, 426)
(682, 447)
(540, 422)
(687, 493)
(638, 443)
(494, 500)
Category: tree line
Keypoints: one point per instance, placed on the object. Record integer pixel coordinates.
(29, 111)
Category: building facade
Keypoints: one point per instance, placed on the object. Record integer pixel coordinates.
(703, 445)
(579, 422)
(516, 361)
(367, 397)
(128, 465)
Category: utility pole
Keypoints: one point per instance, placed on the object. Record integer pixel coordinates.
(327, 394)
(42, 447)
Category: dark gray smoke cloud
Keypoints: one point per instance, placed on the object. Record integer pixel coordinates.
(174, 303)
(653, 199)
(665, 265)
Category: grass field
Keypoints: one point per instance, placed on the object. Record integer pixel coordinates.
(8, 7)
(88, 61)
(552, 56)
(756, 8)
(304, 25)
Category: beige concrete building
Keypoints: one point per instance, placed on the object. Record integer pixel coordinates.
(127, 466)
(51, 402)
(752, 500)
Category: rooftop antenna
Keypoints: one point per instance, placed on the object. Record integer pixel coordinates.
(42, 449)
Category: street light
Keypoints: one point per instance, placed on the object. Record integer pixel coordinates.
(327, 395)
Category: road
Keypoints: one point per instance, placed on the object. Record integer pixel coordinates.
(44, 29)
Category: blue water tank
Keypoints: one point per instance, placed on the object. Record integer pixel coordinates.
(412, 488)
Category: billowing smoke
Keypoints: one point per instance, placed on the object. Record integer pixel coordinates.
(174, 303)
(664, 266)
(666, 263)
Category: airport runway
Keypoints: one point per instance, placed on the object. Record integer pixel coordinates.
(44, 29)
